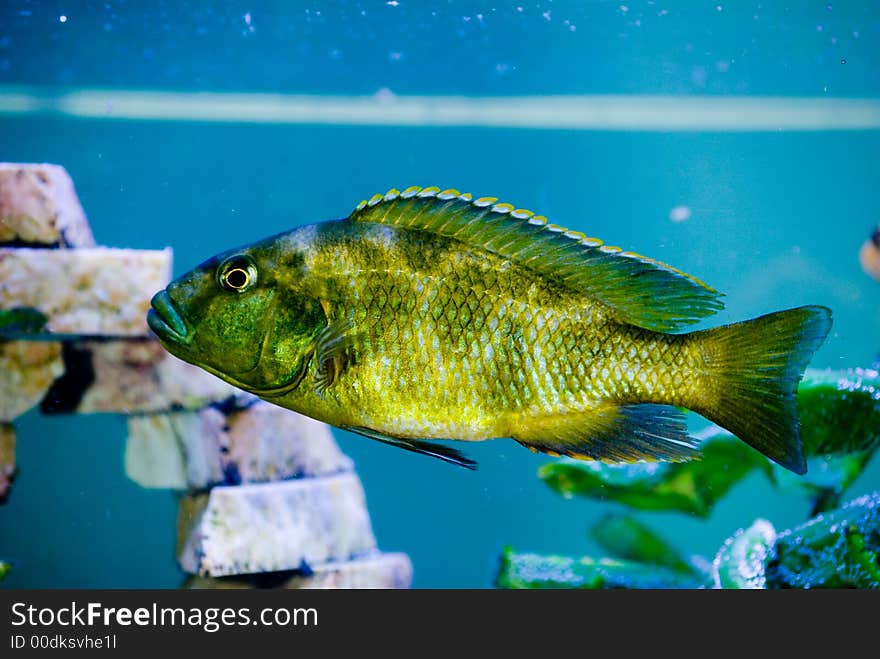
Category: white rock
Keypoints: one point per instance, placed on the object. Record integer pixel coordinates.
(132, 376)
(27, 370)
(154, 456)
(262, 442)
(377, 570)
(38, 204)
(98, 291)
(265, 442)
(186, 386)
(179, 450)
(270, 527)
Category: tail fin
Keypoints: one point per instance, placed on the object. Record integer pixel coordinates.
(755, 369)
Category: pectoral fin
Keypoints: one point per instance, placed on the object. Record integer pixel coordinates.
(438, 451)
(332, 353)
(612, 433)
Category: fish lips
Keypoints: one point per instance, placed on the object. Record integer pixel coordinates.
(166, 321)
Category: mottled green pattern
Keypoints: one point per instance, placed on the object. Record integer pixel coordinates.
(838, 549)
(449, 342)
(524, 570)
(627, 282)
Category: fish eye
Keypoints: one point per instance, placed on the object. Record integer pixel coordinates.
(238, 274)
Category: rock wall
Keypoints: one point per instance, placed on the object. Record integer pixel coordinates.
(266, 498)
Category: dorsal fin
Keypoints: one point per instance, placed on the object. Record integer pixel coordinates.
(637, 289)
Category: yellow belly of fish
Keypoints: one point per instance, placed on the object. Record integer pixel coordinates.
(497, 392)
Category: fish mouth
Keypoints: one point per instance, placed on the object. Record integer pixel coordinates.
(166, 321)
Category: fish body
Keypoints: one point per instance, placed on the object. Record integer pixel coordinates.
(429, 315)
(449, 342)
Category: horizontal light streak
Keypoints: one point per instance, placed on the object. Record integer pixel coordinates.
(572, 112)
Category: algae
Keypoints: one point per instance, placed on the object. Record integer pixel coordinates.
(21, 322)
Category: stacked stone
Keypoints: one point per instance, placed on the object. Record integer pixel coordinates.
(94, 353)
(271, 498)
(267, 498)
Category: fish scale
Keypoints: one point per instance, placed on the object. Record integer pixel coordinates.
(545, 337)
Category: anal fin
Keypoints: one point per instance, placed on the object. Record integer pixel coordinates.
(433, 449)
(612, 433)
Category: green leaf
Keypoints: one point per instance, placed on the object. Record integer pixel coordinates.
(838, 549)
(691, 487)
(741, 561)
(20, 322)
(840, 411)
(537, 571)
(827, 478)
(629, 539)
(5, 569)
(840, 428)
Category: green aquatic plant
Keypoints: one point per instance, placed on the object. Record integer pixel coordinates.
(629, 539)
(840, 428)
(691, 487)
(21, 322)
(840, 411)
(536, 571)
(827, 479)
(740, 561)
(5, 568)
(837, 547)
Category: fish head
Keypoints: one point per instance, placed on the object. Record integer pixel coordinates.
(240, 316)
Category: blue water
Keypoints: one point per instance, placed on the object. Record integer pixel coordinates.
(776, 217)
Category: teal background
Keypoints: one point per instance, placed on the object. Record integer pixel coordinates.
(777, 218)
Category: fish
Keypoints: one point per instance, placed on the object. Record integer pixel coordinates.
(428, 314)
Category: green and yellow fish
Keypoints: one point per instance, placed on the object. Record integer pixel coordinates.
(429, 314)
